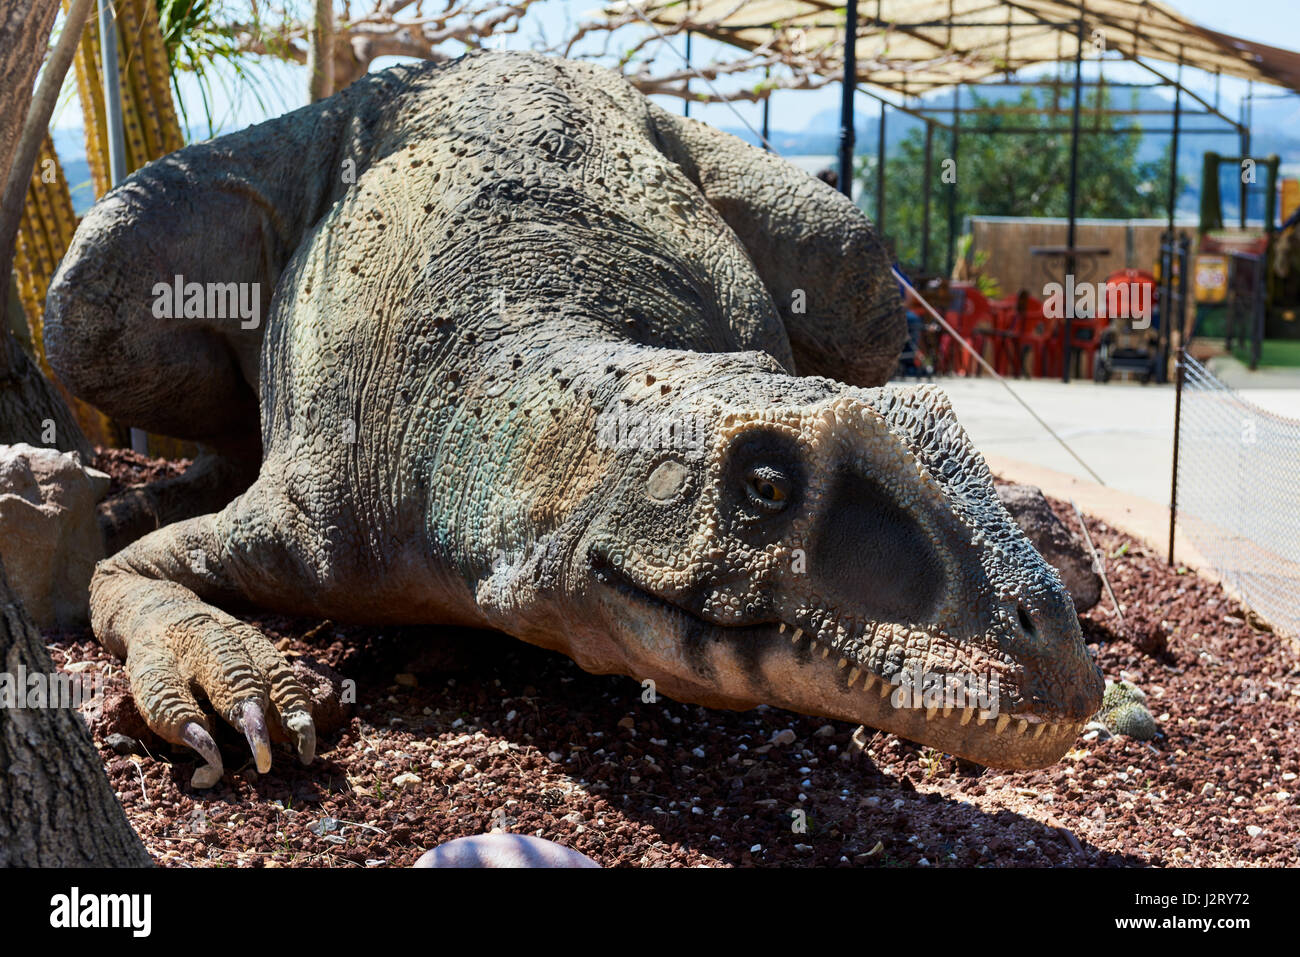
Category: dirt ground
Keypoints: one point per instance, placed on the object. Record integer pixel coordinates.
(457, 733)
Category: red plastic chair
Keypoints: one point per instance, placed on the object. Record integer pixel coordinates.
(1008, 321)
(1039, 337)
(971, 319)
(1131, 287)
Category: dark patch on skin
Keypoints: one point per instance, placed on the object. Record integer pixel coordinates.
(869, 553)
(697, 640)
(750, 650)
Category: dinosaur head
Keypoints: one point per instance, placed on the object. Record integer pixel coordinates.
(839, 553)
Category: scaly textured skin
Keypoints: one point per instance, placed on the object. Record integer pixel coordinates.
(483, 274)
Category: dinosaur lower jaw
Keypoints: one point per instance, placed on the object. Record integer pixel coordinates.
(966, 720)
(778, 664)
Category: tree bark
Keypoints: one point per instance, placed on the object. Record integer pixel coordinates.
(56, 805)
(31, 410)
(320, 52)
(57, 808)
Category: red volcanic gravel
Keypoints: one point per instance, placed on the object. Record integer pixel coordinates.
(127, 468)
(458, 732)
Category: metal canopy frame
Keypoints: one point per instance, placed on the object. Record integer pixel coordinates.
(1153, 31)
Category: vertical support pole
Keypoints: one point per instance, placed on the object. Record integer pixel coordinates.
(880, 176)
(952, 193)
(767, 112)
(1180, 374)
(1070, 262)
(849, 86)
(1167, 321)
(1247, 108)
(116, 133)
(686, 103)
(925, 206)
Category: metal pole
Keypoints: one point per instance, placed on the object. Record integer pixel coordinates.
(686, 103)
(1167, 325)
(849, 85)
(1244, 136)
(767, 112)
(1180, 373)
(880, 175)
(925, 207)
(1074, 191)
(1173, 154)
(116, 134)
(952, 190)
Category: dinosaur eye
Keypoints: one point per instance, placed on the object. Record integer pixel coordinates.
(767, 488)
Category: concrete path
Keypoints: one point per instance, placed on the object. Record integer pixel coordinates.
(1123, 430)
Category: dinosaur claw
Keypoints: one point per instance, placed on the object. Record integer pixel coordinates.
(253, 724)
(303, 731)
(195, 736)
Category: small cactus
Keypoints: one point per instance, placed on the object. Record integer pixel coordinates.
(1124, 711)
(1133, 720)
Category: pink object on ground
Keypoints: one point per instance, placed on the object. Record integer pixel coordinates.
(503, 850)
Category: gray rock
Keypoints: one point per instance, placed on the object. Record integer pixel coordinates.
(1062, 549)
(49, 533)
(503, 850)
(122, 744)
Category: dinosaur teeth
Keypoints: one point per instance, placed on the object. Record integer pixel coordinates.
(1003, 721)
(1038, 732)
(854, 673)
(931, 711)
(884, 689)
(868, 682)
(843, 664)
(1023, 725)
(798, 633)
(966, 715)
(826, 651)
(782, 631)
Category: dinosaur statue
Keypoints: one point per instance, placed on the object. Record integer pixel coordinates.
(533, 354)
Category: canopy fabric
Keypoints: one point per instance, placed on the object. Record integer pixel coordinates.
(913, 46)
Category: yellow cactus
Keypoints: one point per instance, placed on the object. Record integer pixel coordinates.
(44, 233)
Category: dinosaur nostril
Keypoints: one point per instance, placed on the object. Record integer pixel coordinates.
(1026, 622)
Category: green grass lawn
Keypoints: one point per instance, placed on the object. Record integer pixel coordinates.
(1273, 352)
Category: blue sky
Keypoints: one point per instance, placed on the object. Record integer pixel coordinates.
(1276, 22)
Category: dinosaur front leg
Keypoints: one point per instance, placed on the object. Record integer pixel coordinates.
(150, 604)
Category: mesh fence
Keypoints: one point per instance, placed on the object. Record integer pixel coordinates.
(1239, 494)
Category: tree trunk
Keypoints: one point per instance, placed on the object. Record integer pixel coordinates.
(320, 52)
(56, 805)
(31, 410)
(57, 808)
